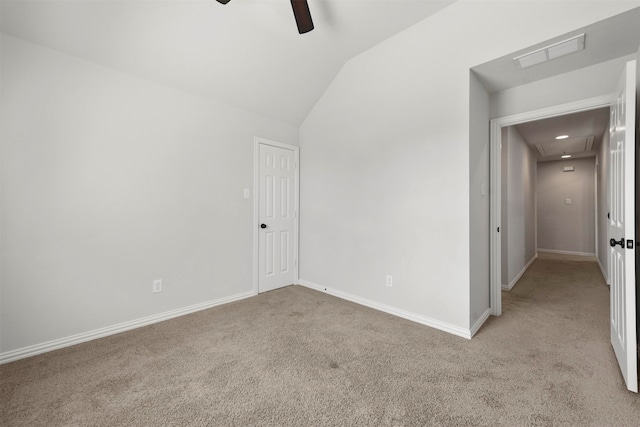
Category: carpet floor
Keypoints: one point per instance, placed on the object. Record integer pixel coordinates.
(298, 357)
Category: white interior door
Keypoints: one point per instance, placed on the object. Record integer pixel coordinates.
(622, 226)
(277, 217)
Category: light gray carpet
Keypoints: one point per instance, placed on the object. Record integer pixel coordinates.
(297, 357)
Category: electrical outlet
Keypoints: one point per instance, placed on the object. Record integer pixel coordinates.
(389, 280)
(157, 286)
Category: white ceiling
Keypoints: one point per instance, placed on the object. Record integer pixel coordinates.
(579, 126)
(246, 54)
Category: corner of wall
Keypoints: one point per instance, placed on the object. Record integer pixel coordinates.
(479, 203)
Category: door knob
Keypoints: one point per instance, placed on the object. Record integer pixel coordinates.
(265, 226)
(613, 242)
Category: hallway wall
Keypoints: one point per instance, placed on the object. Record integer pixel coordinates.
(603, 205)
(566, 206)
(518, 192)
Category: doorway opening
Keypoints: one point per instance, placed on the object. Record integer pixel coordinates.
(554, 198)
(496, 166)
(621, 218)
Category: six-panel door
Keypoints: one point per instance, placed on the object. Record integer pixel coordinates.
(277, 217)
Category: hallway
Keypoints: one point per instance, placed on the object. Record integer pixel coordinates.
(561, 307)
(565, 286)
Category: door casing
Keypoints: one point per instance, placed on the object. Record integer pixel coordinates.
(256, 207)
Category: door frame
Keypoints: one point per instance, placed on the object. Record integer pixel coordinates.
(257, 141)
(495, 173)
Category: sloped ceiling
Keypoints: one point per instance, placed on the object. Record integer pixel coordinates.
(247, 54)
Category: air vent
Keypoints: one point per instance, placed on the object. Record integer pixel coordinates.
(556, 50)
(589, 144)
(541, 150)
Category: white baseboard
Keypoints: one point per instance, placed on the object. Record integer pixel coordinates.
(437, 324)
(524, 270)
(553, 251)
(33, 350)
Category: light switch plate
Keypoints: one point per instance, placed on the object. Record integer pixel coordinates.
(157, 286)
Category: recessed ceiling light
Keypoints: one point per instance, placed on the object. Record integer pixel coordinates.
(562, 136)
(547, 53)
(566, 156)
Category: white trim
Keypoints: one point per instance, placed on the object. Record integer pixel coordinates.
(437, 324)
(524, 270)
(256, 207)
(554, 111)
(535, 213)
(33, 350)
(256, 215)
(476, 326)
(595, 204)
(495, 250)
(554, 251)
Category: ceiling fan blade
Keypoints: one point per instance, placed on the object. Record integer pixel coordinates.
(302, 15)
(223, 1)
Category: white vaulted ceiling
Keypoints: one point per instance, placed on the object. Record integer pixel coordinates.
(247, 54)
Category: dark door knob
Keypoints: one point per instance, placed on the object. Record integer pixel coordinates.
(614, 242)
(263, 225)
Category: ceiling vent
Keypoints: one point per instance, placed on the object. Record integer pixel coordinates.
(589, 144)
(541, 150)
(556, 50)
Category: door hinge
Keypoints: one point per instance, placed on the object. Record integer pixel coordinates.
(295, 165)
(295, 214)
(498, 229)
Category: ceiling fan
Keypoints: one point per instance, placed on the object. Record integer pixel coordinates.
(300, 12)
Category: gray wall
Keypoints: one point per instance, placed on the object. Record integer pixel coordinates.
(504, 208)
(386, 168)
(478, 198)
(518, 200)
(603, 205)
(562, 227)
(109, 182)
(585, 83)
